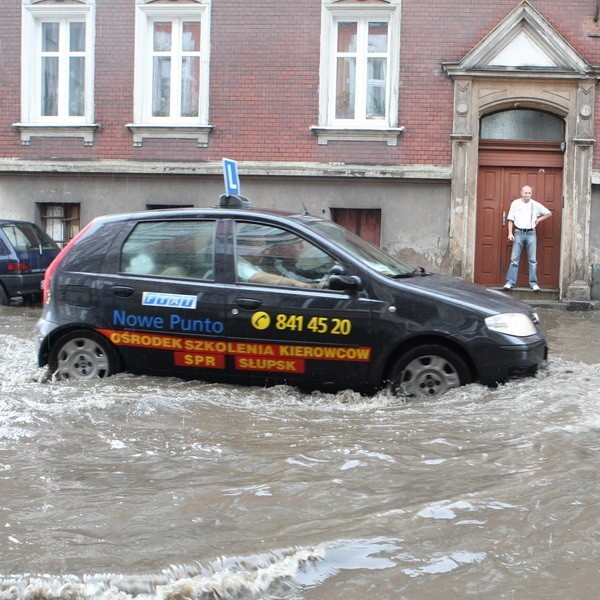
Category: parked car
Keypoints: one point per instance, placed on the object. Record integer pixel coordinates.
(236, 295)
(25, 253)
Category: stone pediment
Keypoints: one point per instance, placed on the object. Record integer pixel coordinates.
(522, 45)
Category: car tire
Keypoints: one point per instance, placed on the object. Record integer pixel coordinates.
(4, 297)
(83, 355)
(428, 371)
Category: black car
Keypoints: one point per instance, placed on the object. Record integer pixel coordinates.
(25, 253)
(242, 296)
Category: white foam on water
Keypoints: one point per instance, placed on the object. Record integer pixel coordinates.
(225, 578)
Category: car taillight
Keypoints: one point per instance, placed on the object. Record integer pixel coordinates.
(54, 264)
(18, 267)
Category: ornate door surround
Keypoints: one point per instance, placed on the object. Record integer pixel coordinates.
(525, 63)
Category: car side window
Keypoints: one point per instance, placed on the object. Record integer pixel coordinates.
(273, 256)
(173, 248)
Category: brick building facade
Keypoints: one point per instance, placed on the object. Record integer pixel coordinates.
(366, 111)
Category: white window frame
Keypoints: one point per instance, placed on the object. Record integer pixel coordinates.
(144, 124)
(360, 129)
(33, 123)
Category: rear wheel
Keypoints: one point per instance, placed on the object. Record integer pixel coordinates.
(83, 355)
(428, 372)
(4, 297)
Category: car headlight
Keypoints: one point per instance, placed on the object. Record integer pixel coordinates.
(517, 324)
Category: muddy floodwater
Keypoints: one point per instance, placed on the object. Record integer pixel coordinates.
(148, 488)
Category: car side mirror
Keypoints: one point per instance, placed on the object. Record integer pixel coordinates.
(349, 283)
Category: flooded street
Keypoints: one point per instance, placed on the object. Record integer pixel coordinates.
(158, 488)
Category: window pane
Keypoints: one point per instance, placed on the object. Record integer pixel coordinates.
(171, 248)
(19, 237)
(50, 33)
(347, 37)
(77, 37)
(161, 87)
(49, 106)
(345, 89)
(273, 256)
(522, 125)
(162, 37)
(376, 88)
(190, 78)
(76, 86)
(378, 34)
(61, 221)
(191, 37)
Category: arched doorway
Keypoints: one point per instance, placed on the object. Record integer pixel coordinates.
(498, 75)
(518, 147)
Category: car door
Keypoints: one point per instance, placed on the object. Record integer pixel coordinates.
(282, 325)
(161, 308)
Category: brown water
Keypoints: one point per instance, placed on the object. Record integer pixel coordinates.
(157, 488)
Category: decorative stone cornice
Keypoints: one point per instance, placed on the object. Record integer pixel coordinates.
(198, 132)
(214, 168)
(523, 45)
(329, 134)
(30, 130)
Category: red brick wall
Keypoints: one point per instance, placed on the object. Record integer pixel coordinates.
(265, 78)
(10, 78)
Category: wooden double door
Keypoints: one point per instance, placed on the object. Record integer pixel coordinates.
(500, 179)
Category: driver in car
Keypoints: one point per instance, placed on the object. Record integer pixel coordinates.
(272, 264)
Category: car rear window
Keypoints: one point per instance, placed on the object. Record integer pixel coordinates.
(87, 254)
(27, 236)
(183, 249)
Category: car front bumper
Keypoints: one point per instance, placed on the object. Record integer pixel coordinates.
(513, 361)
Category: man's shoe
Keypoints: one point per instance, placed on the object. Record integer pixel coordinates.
(508, 286)
(535, 287)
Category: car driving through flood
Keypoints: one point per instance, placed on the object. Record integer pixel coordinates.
(232, 294)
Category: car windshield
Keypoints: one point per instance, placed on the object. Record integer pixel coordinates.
(361, 250)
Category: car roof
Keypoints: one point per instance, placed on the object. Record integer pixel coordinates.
(274, 216)
(15, 222)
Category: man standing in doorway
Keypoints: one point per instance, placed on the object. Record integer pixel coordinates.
(523, 217)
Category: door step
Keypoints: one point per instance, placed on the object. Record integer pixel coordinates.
(541, 298)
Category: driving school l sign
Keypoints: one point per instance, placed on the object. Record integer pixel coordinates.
(232, 177)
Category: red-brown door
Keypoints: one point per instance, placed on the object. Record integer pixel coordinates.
(498, 185)
(365, 222)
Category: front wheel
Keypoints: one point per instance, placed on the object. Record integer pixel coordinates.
(83, 355)
(428, 372)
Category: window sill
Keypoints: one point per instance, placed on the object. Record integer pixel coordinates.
(30, 130)
(198, 132)
(328, 134)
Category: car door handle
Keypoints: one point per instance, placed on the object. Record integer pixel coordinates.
(248, 303)
(122, 291)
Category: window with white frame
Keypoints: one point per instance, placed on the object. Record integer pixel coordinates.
(360, 55)
(57, 69)
(171, 69)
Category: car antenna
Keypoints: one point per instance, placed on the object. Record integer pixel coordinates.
(306, 213)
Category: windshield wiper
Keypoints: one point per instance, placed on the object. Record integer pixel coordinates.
(419, 271)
